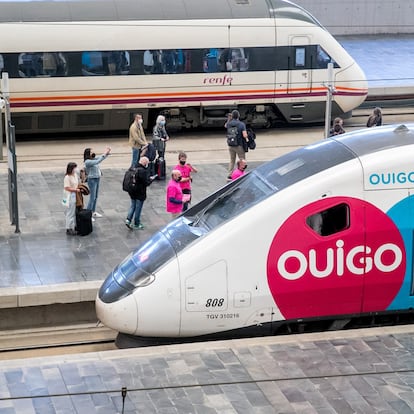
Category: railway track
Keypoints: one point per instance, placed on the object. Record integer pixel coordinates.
(49, 341)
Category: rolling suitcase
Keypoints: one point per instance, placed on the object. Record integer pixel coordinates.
(160, 168)
(84, 222)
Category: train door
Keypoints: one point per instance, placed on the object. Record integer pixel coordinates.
(299, 73)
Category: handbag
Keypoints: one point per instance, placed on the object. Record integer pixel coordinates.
(65, 198)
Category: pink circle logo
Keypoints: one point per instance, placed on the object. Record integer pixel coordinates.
(336, 256)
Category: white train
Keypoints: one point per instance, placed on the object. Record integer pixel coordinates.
(89, 65)
(324, 232)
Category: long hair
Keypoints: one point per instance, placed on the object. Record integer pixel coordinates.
(87, 154)
(70, 167)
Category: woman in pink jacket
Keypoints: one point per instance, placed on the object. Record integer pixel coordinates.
(186, 169)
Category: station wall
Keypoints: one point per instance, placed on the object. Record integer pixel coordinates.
(348, 17)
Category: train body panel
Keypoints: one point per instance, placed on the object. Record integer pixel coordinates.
(162, 313)
(272, 67)
(323, 232)
(220, 286)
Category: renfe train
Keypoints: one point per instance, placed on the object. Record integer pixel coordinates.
(89, 65)
(324, 232)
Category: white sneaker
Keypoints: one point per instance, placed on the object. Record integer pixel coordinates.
(95, 214)
(93, 219)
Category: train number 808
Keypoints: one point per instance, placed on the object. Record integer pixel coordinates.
(213, 303)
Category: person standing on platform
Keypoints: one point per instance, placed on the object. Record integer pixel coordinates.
(174, 195)
(240, 170)
(236, 133)
(137, 140)
(375, 119)
(160, 136)
(138, 193)
(337, 127)
(186, 179)
(70, 185)
(94, 173)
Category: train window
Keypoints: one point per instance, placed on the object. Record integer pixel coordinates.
(322, 59)
(225, 60)
(261, 58)
(96, 63)
(42, 64)
(1, 63)
(165, 61)
(300, 56)
(330, 221)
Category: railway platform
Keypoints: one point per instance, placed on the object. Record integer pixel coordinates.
(361, 371)
(42, 265)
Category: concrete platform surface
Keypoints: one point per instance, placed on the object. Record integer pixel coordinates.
(42, 265)
(348, 372)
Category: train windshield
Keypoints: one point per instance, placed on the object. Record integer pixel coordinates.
(264, 181)
(243, 194)
(138, 268)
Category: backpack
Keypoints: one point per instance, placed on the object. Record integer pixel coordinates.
(151, 152)
(251, 137)
(129, 184)
(232, 133)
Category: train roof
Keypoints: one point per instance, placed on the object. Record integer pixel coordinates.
(127, 10)
(304, 162)
(371, 140)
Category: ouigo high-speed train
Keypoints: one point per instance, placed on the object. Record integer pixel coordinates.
(91, 64)
(323, 233)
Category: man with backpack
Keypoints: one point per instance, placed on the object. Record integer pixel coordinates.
(136, 181)
(236, 134)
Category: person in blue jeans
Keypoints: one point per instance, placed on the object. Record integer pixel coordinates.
(93, 172)
(137, 191)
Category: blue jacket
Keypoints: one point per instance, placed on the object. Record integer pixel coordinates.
(92, 166)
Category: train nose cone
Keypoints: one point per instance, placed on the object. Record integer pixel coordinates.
(121, 316)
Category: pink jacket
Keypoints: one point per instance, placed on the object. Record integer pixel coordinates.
(185, 173)
(174, 191)
(236, 174)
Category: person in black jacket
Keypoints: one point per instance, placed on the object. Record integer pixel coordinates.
(137, 190)
(337, 127)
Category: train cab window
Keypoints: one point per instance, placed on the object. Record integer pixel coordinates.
(96, 63)
(42, 64)
(322, 59)
(330, 221)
